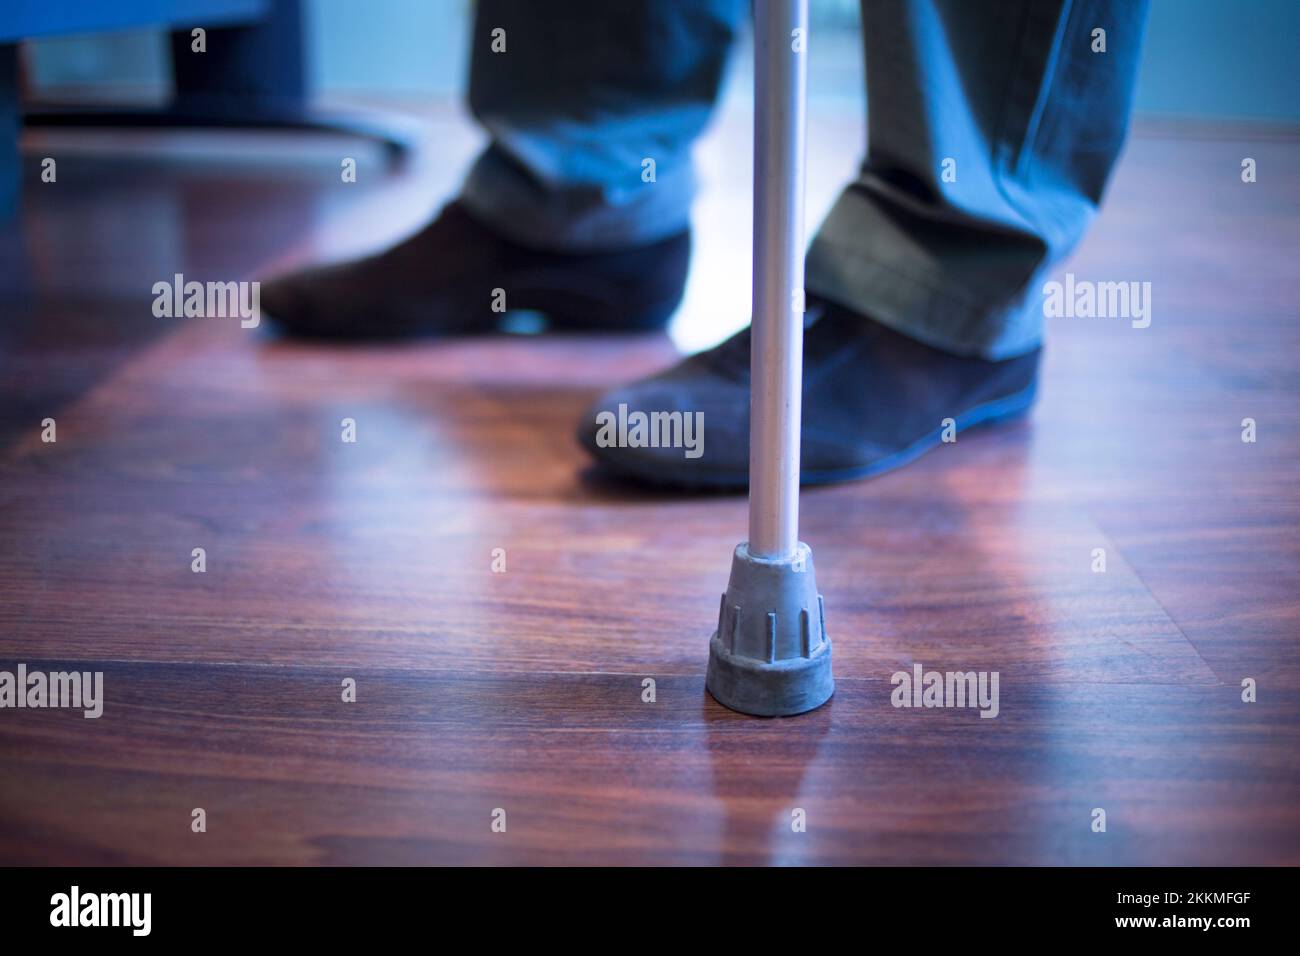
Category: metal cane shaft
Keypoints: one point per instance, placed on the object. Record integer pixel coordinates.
(776, 360)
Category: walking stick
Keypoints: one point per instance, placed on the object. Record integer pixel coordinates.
(770, 655)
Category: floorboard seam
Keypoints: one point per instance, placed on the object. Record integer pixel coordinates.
(1114, 544)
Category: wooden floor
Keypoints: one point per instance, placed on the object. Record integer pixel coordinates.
(523, 690)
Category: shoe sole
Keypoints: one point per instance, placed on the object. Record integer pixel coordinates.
(564, 314)
(988, 413)
(570, 310)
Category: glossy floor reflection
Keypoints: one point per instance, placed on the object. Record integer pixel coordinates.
(523, 690)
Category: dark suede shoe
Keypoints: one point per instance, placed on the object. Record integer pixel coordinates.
(873, 399)
(442, 281)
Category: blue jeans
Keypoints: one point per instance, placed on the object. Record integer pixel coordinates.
(992, 129)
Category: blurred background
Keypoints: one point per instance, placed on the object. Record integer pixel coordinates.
(1208, 65)
(1215, 59)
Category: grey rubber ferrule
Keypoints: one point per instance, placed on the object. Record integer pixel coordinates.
(770, 655)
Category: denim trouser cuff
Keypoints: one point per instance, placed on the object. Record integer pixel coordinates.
(582, 216)
(869, 260)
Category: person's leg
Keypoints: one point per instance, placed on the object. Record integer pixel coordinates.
(993, 129)
(593, 107)
(579, 206)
